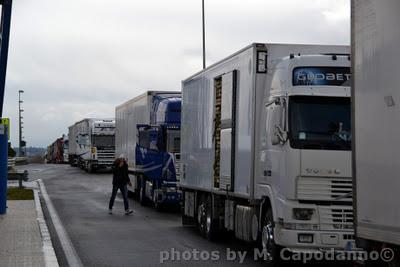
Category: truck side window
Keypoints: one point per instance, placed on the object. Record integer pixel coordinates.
(144, 139)
(153, 140)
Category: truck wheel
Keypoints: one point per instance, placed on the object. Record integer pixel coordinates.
(211, 224)
(201, 217)
(91, 169)
(268, 241)
(142, 195)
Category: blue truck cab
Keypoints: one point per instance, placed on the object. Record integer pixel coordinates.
(158, 154)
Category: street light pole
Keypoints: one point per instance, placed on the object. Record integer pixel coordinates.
(20, 110)
(204, 35)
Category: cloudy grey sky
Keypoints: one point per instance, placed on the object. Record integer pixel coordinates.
(81, 58)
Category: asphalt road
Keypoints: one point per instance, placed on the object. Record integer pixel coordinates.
(143, 239)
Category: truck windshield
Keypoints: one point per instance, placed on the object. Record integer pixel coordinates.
(103, 141)
(317, 122)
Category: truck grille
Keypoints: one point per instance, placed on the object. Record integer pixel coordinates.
(106, 156)
(336, 218)
(324, 189)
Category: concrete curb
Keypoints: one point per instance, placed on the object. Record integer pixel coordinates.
(50, 257)
(66, 244)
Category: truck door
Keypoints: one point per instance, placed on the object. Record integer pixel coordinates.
(224, 133)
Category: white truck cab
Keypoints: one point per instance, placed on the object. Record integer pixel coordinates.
(305, 153)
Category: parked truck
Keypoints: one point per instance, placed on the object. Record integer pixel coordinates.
(65, 148)
(266, 148)
(55, 151)
(92, 144)
(376, 118)
(148, 133)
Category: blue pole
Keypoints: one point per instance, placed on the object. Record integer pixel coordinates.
(3, 168)
(6, 6)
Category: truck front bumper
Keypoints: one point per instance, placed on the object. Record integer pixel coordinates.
(167, 197)
(314, 241)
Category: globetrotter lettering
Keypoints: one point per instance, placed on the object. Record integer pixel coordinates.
(323, 77)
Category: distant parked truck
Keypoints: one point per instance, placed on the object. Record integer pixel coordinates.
(55, 151)
(92, 144)
(65, 149)
(376, 124)
(148, 133)
(266, 149)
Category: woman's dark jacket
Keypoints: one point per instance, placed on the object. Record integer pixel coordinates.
(120, 174)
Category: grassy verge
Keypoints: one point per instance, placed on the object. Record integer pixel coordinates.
(19, 194)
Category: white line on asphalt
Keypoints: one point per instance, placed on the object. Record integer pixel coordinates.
(50, 258)
(66, 244)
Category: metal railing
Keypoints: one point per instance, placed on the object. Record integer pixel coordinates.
(11, 163)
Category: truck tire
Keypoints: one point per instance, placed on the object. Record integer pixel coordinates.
(90, 168)
(142, 194)
(211, 228)
(268, 241)
(201, 216)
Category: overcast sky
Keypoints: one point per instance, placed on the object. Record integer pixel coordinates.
(81, 58)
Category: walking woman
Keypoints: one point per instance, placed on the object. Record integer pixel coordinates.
(120, 181)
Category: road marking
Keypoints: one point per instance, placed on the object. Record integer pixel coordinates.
(66, 244)
(50, 257)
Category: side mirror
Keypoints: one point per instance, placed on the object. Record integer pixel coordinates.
(278, 134)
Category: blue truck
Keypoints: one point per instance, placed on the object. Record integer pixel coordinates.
(148, 133)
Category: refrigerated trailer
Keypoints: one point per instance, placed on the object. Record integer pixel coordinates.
(148, 134)
(266, 149)
(376, 117)
(55, 151)
(92, 144)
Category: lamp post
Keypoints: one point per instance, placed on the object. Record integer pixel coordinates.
(21, 151)
(204, 35)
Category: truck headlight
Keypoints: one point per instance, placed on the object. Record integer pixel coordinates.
(302, 214)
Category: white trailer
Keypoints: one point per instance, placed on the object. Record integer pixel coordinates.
(139, 110)
(92, 144)
(376, 118)
(265, 147)
(72, 145)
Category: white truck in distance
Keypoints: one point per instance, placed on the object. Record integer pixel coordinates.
(266, 149)
(92, 144)
(376, 118)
